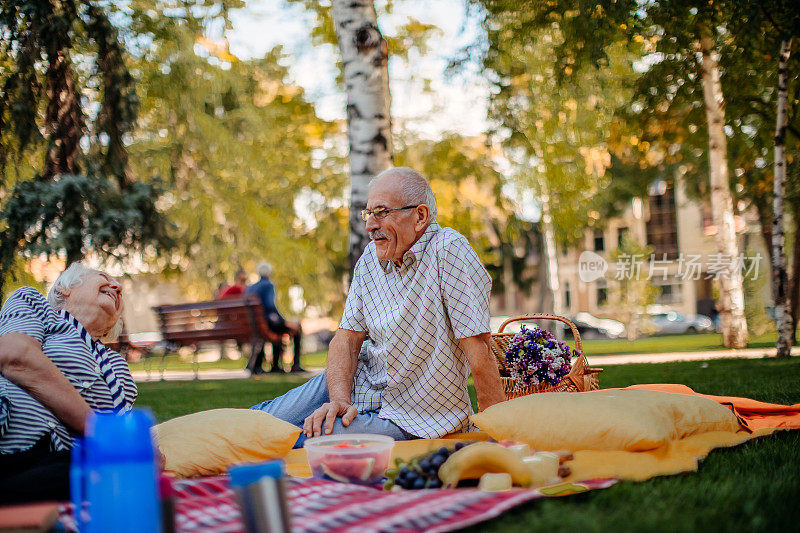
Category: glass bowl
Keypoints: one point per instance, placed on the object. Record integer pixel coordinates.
(355, 458)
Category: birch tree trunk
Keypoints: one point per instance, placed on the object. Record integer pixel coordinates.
(780, 280)
(550, 250)
(734, 324)
(794, 285)
(366, 76)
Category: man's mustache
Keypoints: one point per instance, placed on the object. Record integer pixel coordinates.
(377, 234)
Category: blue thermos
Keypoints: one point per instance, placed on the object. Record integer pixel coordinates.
(114, 470)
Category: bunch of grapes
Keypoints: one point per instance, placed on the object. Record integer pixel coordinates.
(421, 472)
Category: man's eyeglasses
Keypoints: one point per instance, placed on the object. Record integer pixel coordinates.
(381, 212)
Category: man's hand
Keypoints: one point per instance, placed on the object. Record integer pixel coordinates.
(324, 417)
(342, 360)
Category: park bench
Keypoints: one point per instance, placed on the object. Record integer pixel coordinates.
(129, 348)
(195, 324)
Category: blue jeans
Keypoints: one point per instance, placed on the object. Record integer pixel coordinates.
(300, 402)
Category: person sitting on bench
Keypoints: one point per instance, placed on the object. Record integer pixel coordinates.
(265, 291)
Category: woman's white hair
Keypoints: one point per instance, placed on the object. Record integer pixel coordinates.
(264, 269)
(72, 277)
(414, 188)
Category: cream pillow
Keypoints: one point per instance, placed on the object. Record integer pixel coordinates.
(631, 420)
(208, 442)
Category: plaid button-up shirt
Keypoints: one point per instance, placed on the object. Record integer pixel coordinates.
(411, 369)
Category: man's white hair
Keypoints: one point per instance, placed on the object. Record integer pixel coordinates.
(414, 188)
(264, 269)
(70, 278)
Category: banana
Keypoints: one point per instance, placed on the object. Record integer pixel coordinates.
(472, 461)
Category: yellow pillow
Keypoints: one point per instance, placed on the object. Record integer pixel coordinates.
(632, 420)
(208, 442)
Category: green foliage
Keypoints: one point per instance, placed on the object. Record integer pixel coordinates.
(665, 113)
(755, 305)
(253, 173)
(554, 121)
(412, 34)
(108, 219)
(18, 276)
(79, 197)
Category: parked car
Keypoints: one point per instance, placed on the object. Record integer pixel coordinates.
(592, 327)
(673, 323)
(589, 326)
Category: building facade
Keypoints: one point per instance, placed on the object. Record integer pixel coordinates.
(684, 265)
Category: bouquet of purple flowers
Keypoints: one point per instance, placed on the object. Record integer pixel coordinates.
(536, 358)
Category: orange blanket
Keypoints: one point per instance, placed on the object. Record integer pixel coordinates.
(752, 414)
(758, 419)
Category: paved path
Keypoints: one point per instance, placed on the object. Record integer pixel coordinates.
(598, 360)
(188, 375)
(748, 353)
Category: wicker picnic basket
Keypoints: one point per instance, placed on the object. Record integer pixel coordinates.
(581, 378)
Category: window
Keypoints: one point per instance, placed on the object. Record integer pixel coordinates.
(599, 241)
(621, 232)
(670, 293)
(662, 226)
(602, 293)
(567, 297)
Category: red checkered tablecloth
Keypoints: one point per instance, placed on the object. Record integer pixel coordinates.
(316, 505)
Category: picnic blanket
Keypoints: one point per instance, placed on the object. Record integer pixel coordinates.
(316, 505)
(207, 504)
(757, 419)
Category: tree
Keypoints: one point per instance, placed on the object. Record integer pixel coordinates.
(76, 200)
(680, 31)
(253, 172)
(365, 59)
(780, 279)
(554, 126)
(731, 303)
(353, 28)
(771, 26)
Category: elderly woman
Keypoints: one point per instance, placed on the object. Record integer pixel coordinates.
(54, 369)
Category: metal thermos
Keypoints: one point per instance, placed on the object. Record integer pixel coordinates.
(262, 496)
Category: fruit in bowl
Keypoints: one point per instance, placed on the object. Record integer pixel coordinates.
(355, 458)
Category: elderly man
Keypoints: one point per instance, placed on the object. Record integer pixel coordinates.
(54, 370)
(415, 323)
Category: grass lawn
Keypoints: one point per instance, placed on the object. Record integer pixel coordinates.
(175, 362)
(752, 487)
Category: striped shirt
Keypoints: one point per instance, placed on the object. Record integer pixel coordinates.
(411, 369)
(99, 374)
